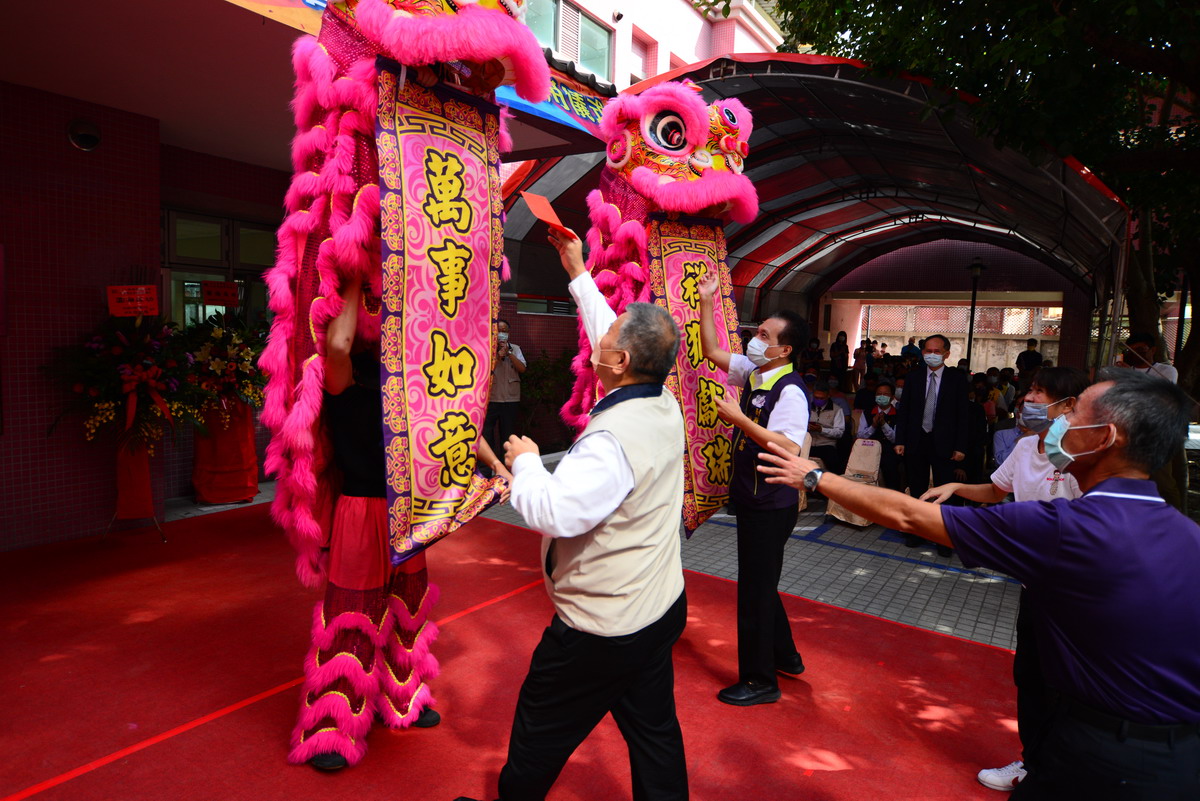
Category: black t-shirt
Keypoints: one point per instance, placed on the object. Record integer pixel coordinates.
(355, 424)
(1028, 360)
(864, 399)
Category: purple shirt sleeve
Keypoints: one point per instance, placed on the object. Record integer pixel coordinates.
(1019, 539)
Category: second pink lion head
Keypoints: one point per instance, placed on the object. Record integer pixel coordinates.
(681, 153)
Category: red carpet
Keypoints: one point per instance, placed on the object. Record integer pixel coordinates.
(110, 644)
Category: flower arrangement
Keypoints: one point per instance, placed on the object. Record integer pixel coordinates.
(131, 378)
(224, 359)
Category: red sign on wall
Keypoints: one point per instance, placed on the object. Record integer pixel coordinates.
(219, 293)
(133, 301)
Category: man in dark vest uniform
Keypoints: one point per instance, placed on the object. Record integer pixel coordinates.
(774, 408)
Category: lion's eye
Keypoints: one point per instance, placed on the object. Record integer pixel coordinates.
(666, 130)
(729, 115)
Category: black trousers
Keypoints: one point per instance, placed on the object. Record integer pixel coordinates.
(919, 459)
(1033, 699)
(574, 680)
(1078, 760)
(829, 456)
(502, 418)
(764, 633)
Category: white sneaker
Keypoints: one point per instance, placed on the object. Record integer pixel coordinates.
(1004, 778)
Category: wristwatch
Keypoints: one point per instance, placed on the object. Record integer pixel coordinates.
(811, 478)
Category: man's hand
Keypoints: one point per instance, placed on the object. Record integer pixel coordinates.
(708, 286)
(880, 419)
(899, 450)
(957, 456)
(729, 411)
(940, 494)
(570, 252)
(517, 446)
(782, 467)
(815, 428)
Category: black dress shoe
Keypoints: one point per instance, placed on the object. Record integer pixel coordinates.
(428, 718)
(944, 550)
(328, 761)
(791, 667)
(912, 541)
(747, 694)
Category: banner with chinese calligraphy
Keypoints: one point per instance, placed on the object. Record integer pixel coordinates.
(442, 254)
(682, 252)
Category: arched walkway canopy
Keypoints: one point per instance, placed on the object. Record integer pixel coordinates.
(851, 165)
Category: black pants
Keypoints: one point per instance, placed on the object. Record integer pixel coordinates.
(829, 456)
(1075, 760)
(764, 633)
(574, 680)
(1033, 701)
(919, 459)
(501, 417)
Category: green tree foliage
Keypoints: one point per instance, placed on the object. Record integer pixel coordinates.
(1111, 82)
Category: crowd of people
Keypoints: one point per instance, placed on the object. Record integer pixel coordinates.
(1107, 666)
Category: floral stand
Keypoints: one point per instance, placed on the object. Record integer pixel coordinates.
(225, 466)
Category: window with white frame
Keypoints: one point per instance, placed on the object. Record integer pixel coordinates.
(573, 34)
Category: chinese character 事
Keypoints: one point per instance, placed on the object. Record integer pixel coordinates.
(452, 260)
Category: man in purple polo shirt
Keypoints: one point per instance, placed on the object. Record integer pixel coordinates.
(1116, 576)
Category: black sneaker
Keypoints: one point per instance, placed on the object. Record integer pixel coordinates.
(331, 761)
(428, 718)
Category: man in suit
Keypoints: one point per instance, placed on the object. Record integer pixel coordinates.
(931, 426)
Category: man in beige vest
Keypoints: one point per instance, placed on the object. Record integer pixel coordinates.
(609, 516)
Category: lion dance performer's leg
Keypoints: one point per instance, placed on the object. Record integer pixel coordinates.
(368, 653)
(404, 664)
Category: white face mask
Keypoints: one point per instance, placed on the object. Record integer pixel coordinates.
(502, 336)
(756, 351)
(934, 360)
(596, 363)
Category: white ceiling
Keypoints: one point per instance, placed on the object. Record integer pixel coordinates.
(217, 77)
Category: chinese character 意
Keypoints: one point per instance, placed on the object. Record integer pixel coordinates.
(694, 348)
(451, 260)
(689, 284)
(448, 372)
(445, 204)
(718, 460)
(454, 448)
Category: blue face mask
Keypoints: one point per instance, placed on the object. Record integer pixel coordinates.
(1036, 416)
(1060, 457)
(883, 401)
(820, 402)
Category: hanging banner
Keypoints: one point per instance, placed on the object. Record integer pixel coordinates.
(682, 252)
(133, 300)
(442, 253)
(219, 293)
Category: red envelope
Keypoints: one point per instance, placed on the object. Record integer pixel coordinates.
(542, 209)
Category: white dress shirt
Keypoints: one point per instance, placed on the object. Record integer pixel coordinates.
(866, 428)
(790, 415)
(594, 476)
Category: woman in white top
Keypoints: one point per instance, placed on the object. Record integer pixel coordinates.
(1028, 474)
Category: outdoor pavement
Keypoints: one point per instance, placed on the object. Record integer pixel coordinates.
(867, 570)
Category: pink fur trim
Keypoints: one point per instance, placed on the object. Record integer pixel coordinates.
(506, 142)
(715, 187)
(673, 96)
(474, 34)
(409, 708)
(327, 742)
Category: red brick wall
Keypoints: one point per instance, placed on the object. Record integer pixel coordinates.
(71, 223)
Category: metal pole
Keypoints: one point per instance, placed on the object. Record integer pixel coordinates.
(1183, 301)
(976, 269)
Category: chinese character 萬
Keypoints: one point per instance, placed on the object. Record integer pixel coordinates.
(445, 204)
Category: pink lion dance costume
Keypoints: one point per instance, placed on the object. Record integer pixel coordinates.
(370, 657)
(673, 173)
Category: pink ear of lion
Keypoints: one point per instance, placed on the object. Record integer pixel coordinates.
(673, 96)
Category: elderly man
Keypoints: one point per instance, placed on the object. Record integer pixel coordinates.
(1116, 576)
(609, 516)
(774, 408)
